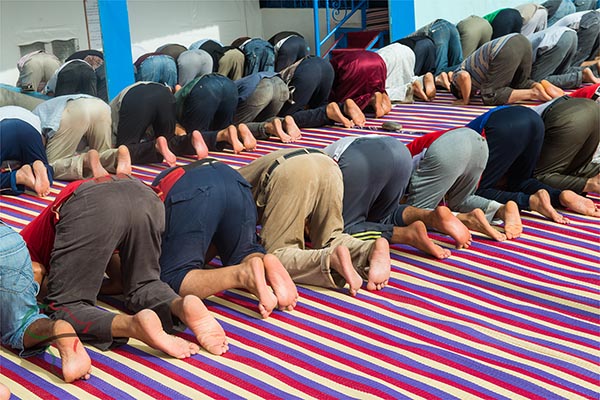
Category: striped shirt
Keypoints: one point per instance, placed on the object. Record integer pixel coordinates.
(478, 63)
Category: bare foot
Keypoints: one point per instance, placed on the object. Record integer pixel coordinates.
(579, 204)
(4, 392)
(386, 103)
(592, 184)
(42, 184)
(379, 265)
(443, 220)
(256, 283)
(24, 176)
(234, 140)
(443, 80)
(162, 147)
(206, 328)
(589, 77)
(553, 91)
(275, 128)
(429, 83)
(377, 104)
(123, 160)
(291, 128)
(415, 235)
(475, 220)
(509, 213)
(539, 93)
(356, 115)
(147, 327)
(335, 114)
(91, 160)
(281, 282)
(540, 202)
(199, 145)
(418, 91)
(247, 137)
(341, 261)
(76, 363)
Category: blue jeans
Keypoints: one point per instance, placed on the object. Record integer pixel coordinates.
(160, 69)
(448, 50)
(260, 56)
(566, 7)
(17, 291)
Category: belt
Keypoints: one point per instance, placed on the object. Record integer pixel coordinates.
(277, 162)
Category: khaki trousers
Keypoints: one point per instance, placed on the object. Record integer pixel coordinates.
(308, 190)
(83, 118)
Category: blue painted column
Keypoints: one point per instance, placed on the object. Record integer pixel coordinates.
(116, 45)
(402, 18)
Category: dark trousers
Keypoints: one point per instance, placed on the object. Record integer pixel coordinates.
(510, 69)
(310, 86)
(115, 213)
(76, 77)
(572, 136)
(587, 37)
(210, 203)
(507, 21)
(22, 143)
(292, 50)
(210, 106)
(375, 173)
(425, 54)
(514, 136)
(147, 112)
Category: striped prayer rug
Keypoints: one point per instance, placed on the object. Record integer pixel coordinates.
(511, 320)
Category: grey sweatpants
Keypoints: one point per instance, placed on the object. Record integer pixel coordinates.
(451, 168)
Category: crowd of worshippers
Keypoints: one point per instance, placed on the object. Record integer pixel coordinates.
(109, 233)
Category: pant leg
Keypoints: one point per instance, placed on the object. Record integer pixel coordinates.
(202, 107)
(38, 70)
(509, 70)
(448, 48)
(537, 22)
(248, 110)
(17, 292)
(292, 50)
(280, 95)
(225, 112)
(235, 236)
(512, 158)
(554, 64)
(76, 77)
(587, 37)
(137, 113)
(451, 168)
(313, 118)
(583, 5)
(375, 174)
(506, 21)
(571, 137)
(474, 31)
(62, 147)
(310, 86)
(231, 64)
(565, 8)
(193, 63)
(21, 142)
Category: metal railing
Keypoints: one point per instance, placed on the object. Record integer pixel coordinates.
(340, 11)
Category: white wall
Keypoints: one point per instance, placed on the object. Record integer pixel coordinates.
(300, 20)
(152, 23)
(25, 21)
(456, 10)
(157, 22)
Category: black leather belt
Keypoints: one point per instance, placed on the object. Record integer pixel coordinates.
(295, 153)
